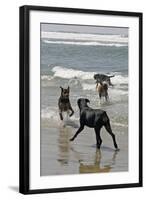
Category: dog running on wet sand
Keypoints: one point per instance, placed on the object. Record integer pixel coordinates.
(64, 103)
(94, 118)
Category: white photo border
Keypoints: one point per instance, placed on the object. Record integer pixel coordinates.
(30, 179)
(132, 176)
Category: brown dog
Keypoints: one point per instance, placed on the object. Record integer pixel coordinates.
(64, 102)
(102, 89)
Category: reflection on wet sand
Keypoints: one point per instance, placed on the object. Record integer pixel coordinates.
(64, 145)
(95, 167)
(87, 159)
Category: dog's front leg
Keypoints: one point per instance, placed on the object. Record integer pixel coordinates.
(78, 131)
(72, 111)
(60, 114)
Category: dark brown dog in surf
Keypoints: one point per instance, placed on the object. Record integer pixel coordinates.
(64, 103)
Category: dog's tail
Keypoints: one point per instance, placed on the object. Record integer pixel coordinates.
(111, 76)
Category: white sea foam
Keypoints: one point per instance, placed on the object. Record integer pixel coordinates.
(117, 92)
(84, 37)
(85, 43)
(119, 124)
(113, 91)
(87, 86)
(46, 77)
(119, 79)
(53, 116)
(47, 113)
(69, 73)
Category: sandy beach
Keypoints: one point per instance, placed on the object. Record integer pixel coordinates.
(60, 156)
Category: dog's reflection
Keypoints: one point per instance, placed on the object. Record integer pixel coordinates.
(64, 145)
(96, 166)
(93, 162)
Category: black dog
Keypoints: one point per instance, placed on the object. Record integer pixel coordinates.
(64, 102)
(93, 118)
(102, 77)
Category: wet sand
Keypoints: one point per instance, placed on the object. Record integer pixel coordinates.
(59, 156)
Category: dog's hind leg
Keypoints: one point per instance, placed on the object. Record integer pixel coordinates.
(78, 131)
(106, 97)
(100, 98)
(98, 138)
(109, 130)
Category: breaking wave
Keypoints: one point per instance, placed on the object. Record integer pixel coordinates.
(69, 73)
(86, 43)
(69, 38)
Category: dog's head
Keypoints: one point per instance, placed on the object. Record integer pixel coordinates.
(96, 76)
(108, 79)
(99, 78)
(109, 82)
(82, 102)
(65, 92)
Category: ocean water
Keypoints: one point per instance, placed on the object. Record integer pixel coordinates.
(71, 59)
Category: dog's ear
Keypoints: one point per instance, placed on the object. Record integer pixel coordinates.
(61, 89)
(78, 102)
(68, 88)
(87, 100)
(95, 76)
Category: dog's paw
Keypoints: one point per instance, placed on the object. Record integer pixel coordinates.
(62, 124)
(71, 114)
(98, 147)
(71, 139)
(117, 149)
